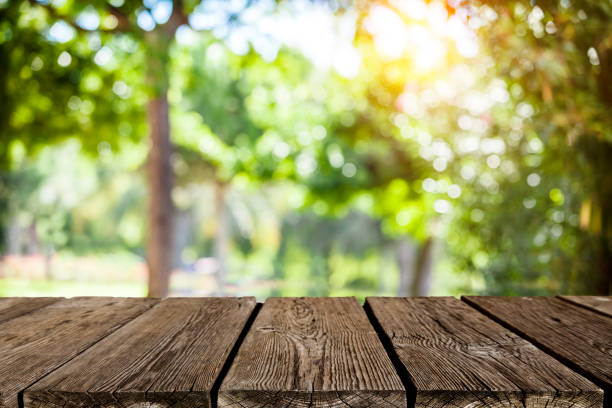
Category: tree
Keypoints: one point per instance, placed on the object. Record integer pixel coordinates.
(53, 89)
(151, 26)
(214, 88)
(494, 112)
(510, 105)
(561, 85)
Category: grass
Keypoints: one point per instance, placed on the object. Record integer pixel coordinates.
(26, 287)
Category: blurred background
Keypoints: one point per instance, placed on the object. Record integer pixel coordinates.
(302, 148)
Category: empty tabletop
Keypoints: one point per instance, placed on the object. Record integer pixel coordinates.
(578, 337)
(171, 355)
(11, 307)
(35, 344)
(456, 357)
(601, 304)
(312, 352)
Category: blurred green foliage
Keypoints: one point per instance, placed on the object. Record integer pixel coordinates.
(501, 158)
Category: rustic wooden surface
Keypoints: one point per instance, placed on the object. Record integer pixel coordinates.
(580, 338)
(170, 355)
(299, 352)
(456, 357)
(35, 344)
(312, 352)
(11, 307)
(601, 304)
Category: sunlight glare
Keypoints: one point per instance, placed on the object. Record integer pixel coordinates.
(430, 51)
(389, 31)
(415, 9)
(422, 31)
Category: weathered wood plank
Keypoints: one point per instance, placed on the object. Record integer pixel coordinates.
(35, 344)
(456, 357)
(11, 307)
(600, 304)
(578, 337)
(170, 355)
(312, 352)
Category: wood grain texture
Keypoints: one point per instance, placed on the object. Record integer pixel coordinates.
(456, 357)
(35, 344)
(578, 337)
(11, 307)
(169, 356)
(312, 352)
(600, 304)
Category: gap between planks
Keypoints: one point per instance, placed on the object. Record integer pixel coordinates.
(20, 401)
(12, 307)
(399, 368)
(588, 366)
(598, 304)
(17, 394)
(456, 355)
(312, 352)
(107, 389)
(214, 392)
(566, 361)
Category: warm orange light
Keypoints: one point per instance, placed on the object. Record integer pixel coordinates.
(422, 33)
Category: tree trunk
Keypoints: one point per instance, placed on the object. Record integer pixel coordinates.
(48, 259)
(221, 247)
(184, 223)
(13, 237)
(415, 268)
(603, 285)
(422, 269)
(32, 242)
(159, 244)
(405, 261)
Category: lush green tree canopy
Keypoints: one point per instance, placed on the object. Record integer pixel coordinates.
(479, 133)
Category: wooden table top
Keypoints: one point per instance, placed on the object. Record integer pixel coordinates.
(430, 352)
